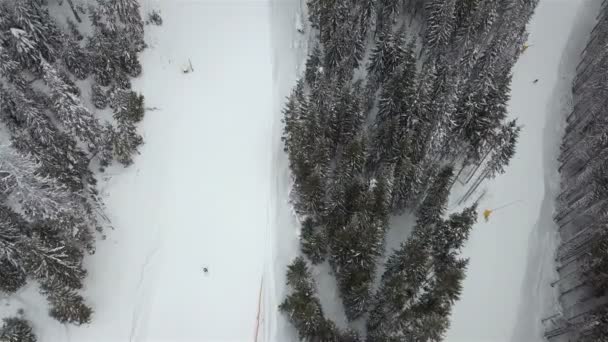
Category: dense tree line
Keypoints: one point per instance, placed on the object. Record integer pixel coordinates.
(582, 257)
(49, 207)
(397, 99)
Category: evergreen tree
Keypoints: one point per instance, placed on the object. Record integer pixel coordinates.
(314, 242)
(38, 197)
(99, 97)
(16, 329)
(14, 227)
(504, 149)
(314, 67)
(387, 55)
(13, 278)
(127, 105)
(406, 270)
(347, 116)
(71, 112)
(302, 306)
(125, 141)
(440, 17)
(67, 306)
(76, 59)
(434, 205)
(32, 34)
(396, 110)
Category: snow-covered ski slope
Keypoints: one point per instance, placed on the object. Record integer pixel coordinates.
(202, 195)
(507, 290)
(538, 299)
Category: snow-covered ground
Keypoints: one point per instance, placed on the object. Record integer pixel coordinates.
(507, 290)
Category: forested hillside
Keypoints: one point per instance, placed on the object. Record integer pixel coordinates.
(67, 111)
(582, 257)
(399, 99)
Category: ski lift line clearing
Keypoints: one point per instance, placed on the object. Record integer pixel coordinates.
(488, 212)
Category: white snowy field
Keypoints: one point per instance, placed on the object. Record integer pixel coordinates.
(507, 292)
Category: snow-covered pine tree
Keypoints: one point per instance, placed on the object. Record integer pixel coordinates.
(405, 179)
(388, 53)
(347, 189)
(354, 249)
(405, 271)
(314, 241)
(346, 118)
(71, 112)
(14, 227)
(302, 306)
(99, 97)
(439, 22)
(314, 67)
(127, 105)
(504, 150)
(67, 306)
(396, 114)
(113, 51)
(125, 141)
(34, 134)
(75, 58)
(450, 237)
(421, 282)
(16, 329)
(31, 33)
(433, 206)
(304, 310)
(39, 197)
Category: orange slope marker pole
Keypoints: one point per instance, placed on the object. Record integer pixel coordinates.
(257, 318)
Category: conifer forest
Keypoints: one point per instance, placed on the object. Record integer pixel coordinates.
(303, 170)
(399, 100)
(53, 142)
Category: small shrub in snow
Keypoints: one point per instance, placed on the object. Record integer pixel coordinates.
(154, 18)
